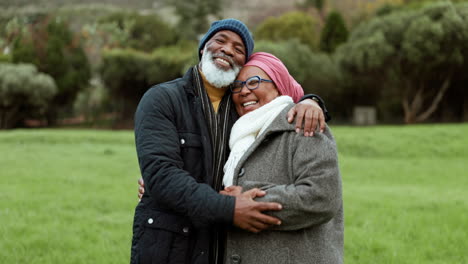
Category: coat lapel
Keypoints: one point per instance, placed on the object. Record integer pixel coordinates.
(279, 124)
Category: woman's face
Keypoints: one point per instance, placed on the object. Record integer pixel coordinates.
(248, 100)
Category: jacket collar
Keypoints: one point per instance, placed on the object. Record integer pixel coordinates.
(192, 78)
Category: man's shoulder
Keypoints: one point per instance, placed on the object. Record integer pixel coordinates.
(166, 95)
(175, 87)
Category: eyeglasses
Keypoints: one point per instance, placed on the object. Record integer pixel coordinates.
(252, 83)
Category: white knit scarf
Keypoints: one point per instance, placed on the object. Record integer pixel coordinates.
(247, 128)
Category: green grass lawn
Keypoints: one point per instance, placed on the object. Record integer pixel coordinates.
(67, 196)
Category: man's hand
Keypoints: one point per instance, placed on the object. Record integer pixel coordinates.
(308, 112)
(232, 190)
(141, 188)
(248, 213)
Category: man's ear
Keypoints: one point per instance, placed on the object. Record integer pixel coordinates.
(201, 51)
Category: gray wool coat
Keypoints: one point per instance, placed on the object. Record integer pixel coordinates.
(302, 174)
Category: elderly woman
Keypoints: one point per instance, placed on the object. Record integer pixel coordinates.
(301, 173)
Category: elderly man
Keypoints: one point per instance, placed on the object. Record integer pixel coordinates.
(181, 134)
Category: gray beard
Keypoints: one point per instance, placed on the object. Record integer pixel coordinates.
(219, 78)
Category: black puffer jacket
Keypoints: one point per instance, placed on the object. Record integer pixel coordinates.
(174, 220)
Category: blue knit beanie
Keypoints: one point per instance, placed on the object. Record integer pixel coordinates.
(233, 25)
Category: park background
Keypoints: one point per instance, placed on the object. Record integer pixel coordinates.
(72, 72)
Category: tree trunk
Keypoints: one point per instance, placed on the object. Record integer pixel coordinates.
(52, 117)
(435, 102)
(2, 119)
(321, 13)
(411, 105)
(407, 111)
(413, 108)
(9, 117)
(465, 111)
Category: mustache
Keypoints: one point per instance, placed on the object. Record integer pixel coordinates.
(225, 57)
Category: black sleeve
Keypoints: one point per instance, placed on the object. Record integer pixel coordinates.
(161, 164)
(320, 102)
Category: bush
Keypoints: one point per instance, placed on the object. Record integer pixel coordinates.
(49, 44)
(171, 62)
(128, 73)
(5, 58)
(93, 103)
(292, 25)
(23, 92)
(124, 73)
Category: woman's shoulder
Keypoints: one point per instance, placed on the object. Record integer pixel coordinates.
(280, 123)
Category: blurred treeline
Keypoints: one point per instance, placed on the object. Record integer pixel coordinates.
(408, 59)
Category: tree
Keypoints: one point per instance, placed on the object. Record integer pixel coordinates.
(292, 25)
(334, 33)
(193, 15)
(23, 92)
(319, 5)
(127, 73)
(50, 45)
(416, 53)
(315, 71)
(140, 32)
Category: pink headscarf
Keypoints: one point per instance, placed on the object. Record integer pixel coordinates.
(278, 73)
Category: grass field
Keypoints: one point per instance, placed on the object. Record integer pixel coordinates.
(67, 196)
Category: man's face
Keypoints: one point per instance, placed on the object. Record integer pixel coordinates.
(222, 58)
(227, 48)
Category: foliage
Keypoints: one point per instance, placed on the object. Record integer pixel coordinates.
(292, 53)
(334, 33)
(417, 4)
(86, 20)
(386, 9)
(291, 25)
(124, 73)
(372, 7)
(361, 11)
(400, 188)
(93, 103)
(129, 73)
(416, 53)
(99, 36)
(49, 44)
(5, 58)
(149, 32)
(194, 15)
(316, 72)
(23, 92)
(319, 5)
(399, 5)
(144, 32)
(17, 27)
(171, 62)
